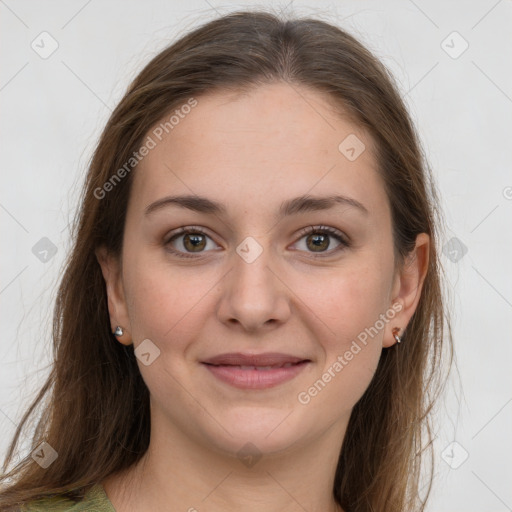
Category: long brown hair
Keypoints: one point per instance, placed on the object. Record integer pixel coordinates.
(96, 411)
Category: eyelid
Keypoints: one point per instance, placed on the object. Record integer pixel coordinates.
(325, 229)
(183, 230)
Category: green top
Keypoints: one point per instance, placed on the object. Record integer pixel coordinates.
(95, 500)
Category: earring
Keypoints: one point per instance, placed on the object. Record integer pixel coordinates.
(395, 332)
(119, 331)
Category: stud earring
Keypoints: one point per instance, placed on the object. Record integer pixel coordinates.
(395, 332)
(119, 331)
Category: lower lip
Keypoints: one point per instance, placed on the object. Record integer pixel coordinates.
(255, 379)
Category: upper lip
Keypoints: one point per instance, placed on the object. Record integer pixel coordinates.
(265, 359)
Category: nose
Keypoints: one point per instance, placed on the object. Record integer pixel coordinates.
(254, 295)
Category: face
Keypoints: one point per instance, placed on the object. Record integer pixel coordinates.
(260, 273)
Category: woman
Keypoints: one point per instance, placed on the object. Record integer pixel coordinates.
(251, 316)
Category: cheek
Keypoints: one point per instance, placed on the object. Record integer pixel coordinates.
(165, 301)
(349, 304)
(346, 301)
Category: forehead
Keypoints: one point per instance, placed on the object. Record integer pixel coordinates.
(276, 141)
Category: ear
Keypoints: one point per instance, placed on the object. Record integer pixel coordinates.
(111, 270)
(407, 288)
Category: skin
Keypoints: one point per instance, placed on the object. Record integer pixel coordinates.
(251, 152)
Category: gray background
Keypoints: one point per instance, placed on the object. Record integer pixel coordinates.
(53, 109)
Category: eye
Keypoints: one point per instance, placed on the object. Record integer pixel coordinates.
(317, 240)
(188, 241)
(193, 240)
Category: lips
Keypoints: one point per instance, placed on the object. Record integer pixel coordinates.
(265, 361)
(256, 371)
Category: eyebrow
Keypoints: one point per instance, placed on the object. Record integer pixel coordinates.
(301, 204)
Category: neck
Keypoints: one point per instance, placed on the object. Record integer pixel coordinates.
(178, 474)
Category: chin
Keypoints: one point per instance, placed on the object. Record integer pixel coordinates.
(265, 431)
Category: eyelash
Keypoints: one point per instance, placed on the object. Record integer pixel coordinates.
(326, 230)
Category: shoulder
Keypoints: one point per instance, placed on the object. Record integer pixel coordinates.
(95, 500)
